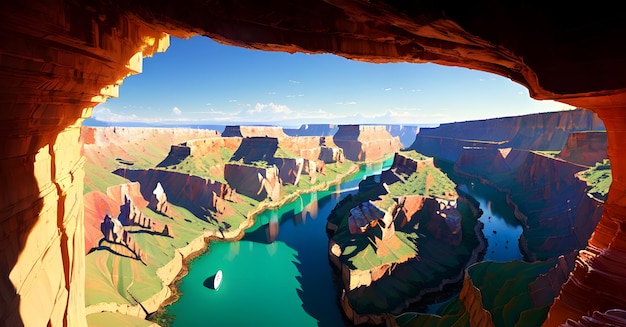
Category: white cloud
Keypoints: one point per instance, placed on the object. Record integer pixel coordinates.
(346, 102)
(270, 108)
(177, 111)
(294, 82)
(105, 114)
(387, 89)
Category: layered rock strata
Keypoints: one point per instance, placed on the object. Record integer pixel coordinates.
(585, 148)
(545, 193)
(543, 131)
(253, 131)
(365, 143)
(381, 237)
(199, 195)
(259, 183)
(70, 55)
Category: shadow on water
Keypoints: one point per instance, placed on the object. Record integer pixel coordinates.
(209, 282)
(318, 291)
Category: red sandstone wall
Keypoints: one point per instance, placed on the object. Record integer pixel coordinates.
(560, 216)
(255, 182)
(585, 148)
(60, 58)
(252, 131)
(362, 143)
(543, 131)
(195, 193)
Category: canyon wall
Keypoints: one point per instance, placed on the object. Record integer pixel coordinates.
(194, 193)
(212, 146)
(253, 131)
(259, 183)
(543, 131)
(361, 143)
(61, 58)
(585, 148)
(138, 146)
(57, 64)
(406, 133)
(557, 214)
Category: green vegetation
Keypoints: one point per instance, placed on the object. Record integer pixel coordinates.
(414, 155)
(505, 294)
(209, 166)
(599, 178)
(98, 179)
(429, 181)
(110, 278)
(548, 153)
(331, 172)
(439, 258)
(285, 153)
(107, 319)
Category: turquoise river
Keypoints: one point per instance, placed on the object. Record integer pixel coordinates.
(279, 274)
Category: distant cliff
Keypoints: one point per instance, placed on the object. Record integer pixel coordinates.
(406, 133)
(558, 215)
(585, 148)
(313, 130)
(251, 131)
(542, 131)
(139, 147)
(362, 143)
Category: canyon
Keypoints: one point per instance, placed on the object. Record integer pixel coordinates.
(61, 58)
(400, 238)
(144, 228)
(538, 182)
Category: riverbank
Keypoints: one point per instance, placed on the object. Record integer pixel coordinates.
(233, 235)
(381, 318)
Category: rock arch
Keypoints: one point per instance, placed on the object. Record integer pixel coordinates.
(59, 58)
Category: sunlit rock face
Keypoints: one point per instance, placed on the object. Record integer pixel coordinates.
(361, 143)
(252, 131)
(60, 58)
(192, 192)
(585, 148)
(129, 144)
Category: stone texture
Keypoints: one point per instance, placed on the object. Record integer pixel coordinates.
(197, 194)
(585, 148)
(60, 58)
(259, 183)
(365, 143)
(544, 131)
(253, 131)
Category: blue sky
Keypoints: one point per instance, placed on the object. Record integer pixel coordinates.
(201, 81)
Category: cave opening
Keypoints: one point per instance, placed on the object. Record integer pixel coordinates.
(60, 58)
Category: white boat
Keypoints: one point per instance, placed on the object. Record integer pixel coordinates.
(217, 280)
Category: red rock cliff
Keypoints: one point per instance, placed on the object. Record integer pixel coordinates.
(361, 143)
(585, 148)
(544, 131)
(195, 193)
(60, 58)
